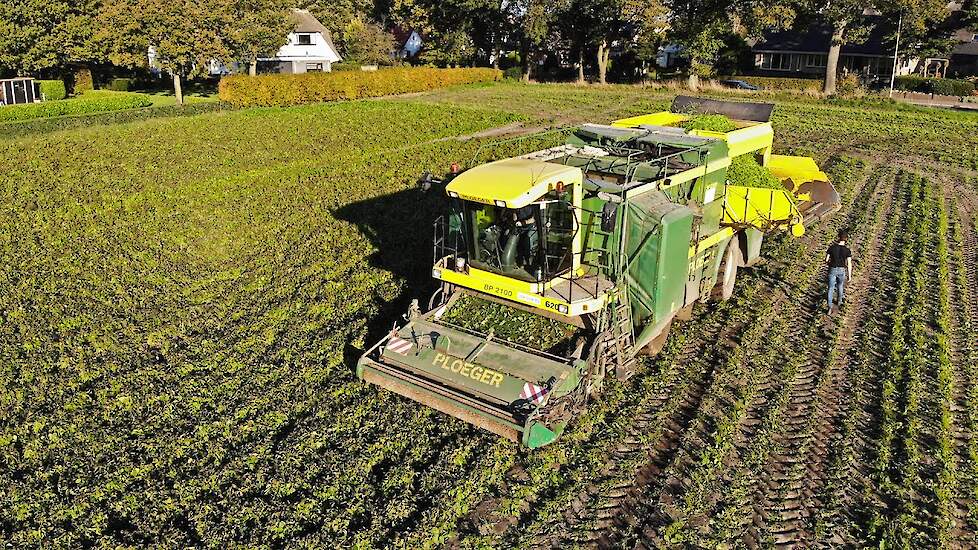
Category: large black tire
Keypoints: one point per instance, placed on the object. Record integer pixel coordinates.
(654, 347)
(727, 274)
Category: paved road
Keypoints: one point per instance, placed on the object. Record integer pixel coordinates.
(929, 100)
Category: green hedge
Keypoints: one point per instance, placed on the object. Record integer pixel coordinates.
(83, 81)
(120, 84)
(90, 102)
(281, 90)
(773, 83)
(45, 125)
(513, 73)
(939, 86)
(53, 90)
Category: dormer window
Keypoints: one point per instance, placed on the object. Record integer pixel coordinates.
(305, 40)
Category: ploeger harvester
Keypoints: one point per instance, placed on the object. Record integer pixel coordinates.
(617, 232)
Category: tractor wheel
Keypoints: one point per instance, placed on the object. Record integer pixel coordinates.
(727, 274)
(655, 346)
(597, 369)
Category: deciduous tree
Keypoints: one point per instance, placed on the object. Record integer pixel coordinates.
(849, 23)
(699, 27)
(368, 44)
(184, 35)
(48, 35)
(533, 18)
(336, 15)
(258, 28)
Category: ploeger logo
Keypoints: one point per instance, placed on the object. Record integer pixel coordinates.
(475, 372)
(474, 199)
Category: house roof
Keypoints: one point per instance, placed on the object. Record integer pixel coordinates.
(306, 22)
(968, 48)
(816, 37)
(402, 34)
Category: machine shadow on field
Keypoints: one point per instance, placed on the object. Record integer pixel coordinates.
(399, 225)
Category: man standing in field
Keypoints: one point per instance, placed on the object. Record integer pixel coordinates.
(839, 260)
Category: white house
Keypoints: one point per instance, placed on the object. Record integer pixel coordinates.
(407, 42)
(309, 48)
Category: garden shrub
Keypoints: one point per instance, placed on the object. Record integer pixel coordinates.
(849, 86)
(90, 102)
(120, 84)
(772, 83)
(280, 90)
(53, 90)
(939, 86)
(513, 73)
(344, 66)
(83, 81)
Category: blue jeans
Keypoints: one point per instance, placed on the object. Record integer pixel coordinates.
(837, 279)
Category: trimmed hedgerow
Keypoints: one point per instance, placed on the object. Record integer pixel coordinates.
(45, 125)
(120, 84)
(939, 86)
(772, 83)
(90, 102)
(281, 90)
(53, 90)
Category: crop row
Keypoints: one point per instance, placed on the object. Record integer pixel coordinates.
(794, 474)
(814, 127)
(946, 483)
(176, 347)
(830, 521)
(792, 345)
(918, 389)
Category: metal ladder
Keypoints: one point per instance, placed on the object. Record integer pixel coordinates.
(622, 332)
(618, 318)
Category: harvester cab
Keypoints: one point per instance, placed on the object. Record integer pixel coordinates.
(613, 234)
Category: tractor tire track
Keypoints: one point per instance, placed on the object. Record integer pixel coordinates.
(854, 424)
(596, 516)
(792, 477)
(658, 515)
(638, 463)
(667, 418)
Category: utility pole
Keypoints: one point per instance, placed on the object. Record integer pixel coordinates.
(896, 52)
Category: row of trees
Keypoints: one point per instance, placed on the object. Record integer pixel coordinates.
(702, 28)
(38, 35)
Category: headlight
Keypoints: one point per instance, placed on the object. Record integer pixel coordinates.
(453, 194)
(562, 308)
(436, 272)
(501, 204)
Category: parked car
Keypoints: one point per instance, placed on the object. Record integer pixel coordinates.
(739, 85)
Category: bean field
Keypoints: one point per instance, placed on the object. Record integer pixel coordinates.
(184, 300)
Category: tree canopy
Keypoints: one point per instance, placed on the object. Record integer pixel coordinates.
(184, 36)
(45, 36)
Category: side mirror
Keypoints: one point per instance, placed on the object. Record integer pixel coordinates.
(427, 180)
